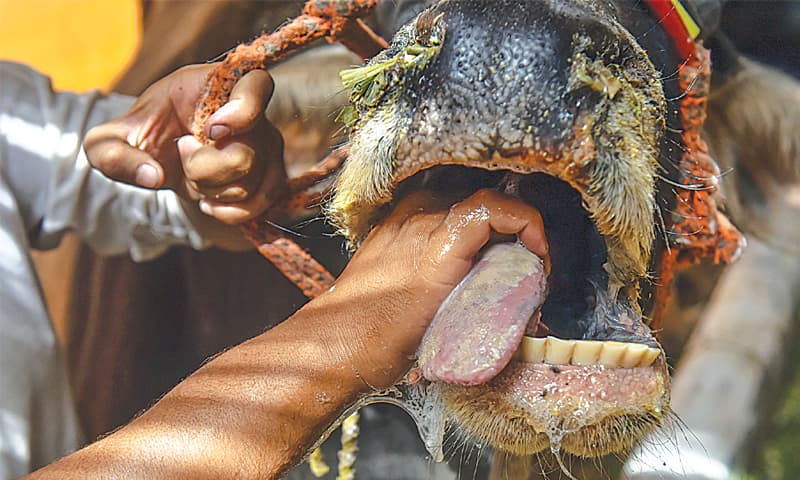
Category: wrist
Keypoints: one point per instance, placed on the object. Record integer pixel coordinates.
(378, 335)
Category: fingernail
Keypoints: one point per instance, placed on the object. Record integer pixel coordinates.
(205, 207)
(147, 176)
(219, 132)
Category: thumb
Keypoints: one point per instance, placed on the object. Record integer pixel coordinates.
(246, 106)
(108, 151)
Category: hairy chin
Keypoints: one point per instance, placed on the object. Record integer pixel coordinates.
(587, 412)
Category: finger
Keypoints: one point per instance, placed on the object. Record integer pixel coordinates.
(474, 219)
(419, 201)
(108, 152)
(247, 103)
(209, 166)
(468, 227)
(234, 213)
(271, 190)
(230, 193)
(410, 204)
(510, 215)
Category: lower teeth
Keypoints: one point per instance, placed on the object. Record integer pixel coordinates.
(557, 351)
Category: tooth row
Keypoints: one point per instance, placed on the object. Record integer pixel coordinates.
(556, 351)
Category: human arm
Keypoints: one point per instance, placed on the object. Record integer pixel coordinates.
(55, 188)
(234, 178)
(254, 411)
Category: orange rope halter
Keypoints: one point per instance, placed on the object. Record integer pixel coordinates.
(701, 230)
(336, 20)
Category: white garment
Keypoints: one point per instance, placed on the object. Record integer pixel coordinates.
(46, 188)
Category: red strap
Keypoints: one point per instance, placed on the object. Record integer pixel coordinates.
(674, 18)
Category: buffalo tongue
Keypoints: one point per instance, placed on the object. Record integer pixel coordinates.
(481, 323)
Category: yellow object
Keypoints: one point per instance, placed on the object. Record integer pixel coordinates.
(80, 44)
(317, 464)
(347, 455)
(688, 21)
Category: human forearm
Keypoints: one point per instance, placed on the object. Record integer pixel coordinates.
(252, 412)
(255, 410)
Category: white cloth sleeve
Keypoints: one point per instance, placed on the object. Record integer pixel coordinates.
(47, 188)
(44, 166)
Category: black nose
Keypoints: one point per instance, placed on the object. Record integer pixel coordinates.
(505, 71)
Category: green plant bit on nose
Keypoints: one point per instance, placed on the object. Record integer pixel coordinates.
(369, 85)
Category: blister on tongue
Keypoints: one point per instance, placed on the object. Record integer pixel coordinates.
(481, 323)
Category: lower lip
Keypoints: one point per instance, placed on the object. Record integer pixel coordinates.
(535, 386)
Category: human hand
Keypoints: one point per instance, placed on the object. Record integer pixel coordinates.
(407, 266)
(234, 179)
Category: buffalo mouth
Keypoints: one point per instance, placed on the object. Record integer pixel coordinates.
(565, 111)
(575, 371)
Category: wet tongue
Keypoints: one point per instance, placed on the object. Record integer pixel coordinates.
(481, 323)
